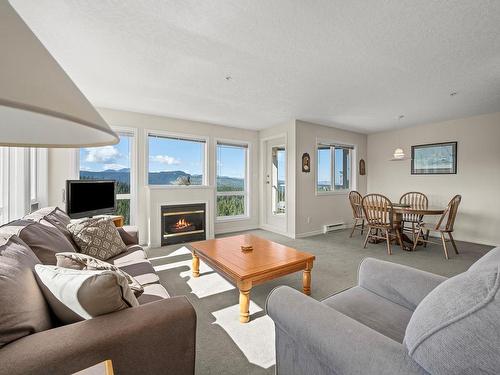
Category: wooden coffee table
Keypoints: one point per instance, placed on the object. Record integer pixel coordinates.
(268, 260)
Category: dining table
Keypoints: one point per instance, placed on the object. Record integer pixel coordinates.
(398, 210)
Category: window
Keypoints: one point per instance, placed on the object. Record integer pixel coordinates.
(113, 163)
(231, 180)
(176, 161)
(333, 168)
(278, 180)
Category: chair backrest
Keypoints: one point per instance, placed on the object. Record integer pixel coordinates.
(355, 199)
(415, 200)
(377, 209)
(450, 214)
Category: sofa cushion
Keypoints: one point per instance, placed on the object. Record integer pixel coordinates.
(76, 295)
(133, 254)
(23, 309)
(492, 257)
(142, 270)
(97, 237)
(78, 261)
(56, 217)
(455, 329)
(380, 314)
(153, 292)
(129, 234)
(42, 237)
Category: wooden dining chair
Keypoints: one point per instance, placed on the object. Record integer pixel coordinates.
(410, 221)
(378, 215)
(357, 212)
(443, 226)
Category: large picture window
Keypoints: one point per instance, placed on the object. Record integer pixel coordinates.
(232, 183)
(112, 163)
(334, 168)
(176, 161)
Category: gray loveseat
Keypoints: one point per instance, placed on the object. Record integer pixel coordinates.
(397, 320)
(157, 337)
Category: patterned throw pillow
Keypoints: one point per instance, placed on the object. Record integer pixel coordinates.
(97, 237)
(77, 261)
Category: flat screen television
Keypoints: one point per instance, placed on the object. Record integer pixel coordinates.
(90, 197)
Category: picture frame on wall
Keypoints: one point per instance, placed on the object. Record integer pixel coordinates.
(434, 158)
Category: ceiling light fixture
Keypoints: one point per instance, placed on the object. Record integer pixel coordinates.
(453, 93)
(399, 154)
(229, 78)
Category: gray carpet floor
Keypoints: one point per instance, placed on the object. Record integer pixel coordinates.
(335, 269)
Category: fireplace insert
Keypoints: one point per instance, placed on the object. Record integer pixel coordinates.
(182, 223)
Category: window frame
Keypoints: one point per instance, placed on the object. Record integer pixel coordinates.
(353, 157)
(245, 192)
(180, 136)
(132, 196)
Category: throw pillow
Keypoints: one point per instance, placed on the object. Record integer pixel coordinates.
(23, 309)
(76, 295)
(97, 237)
(55, 216)
(43, 238)
(78, 261)
(454, 330)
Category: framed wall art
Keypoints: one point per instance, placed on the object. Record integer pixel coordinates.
(435, 158)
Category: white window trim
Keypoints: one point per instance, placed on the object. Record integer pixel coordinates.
(187, 137)
(4, 180)
(246, 193)
(353, 179)
(133, 170)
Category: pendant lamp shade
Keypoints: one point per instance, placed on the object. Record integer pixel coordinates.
(39, 104)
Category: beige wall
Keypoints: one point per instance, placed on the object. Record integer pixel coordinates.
(477, 178)
(62, 163)
(314, 211)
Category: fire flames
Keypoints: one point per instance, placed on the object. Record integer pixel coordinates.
(182, 224)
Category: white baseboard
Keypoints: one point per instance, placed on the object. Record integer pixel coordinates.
(270, 228)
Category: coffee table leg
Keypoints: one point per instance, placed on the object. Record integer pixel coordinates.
(196, 265)
(244, 288)
(306, 279)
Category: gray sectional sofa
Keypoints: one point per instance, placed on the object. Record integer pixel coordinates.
(157, 337)
(397, 320)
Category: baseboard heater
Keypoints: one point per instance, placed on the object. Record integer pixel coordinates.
(331, 227)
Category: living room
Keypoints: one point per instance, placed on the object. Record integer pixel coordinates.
(279, 186)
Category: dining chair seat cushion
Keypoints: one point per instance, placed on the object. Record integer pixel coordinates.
(455, 328)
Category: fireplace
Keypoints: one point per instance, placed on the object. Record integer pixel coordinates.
(182, 223)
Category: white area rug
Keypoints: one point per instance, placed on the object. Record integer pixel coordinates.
(255, 338)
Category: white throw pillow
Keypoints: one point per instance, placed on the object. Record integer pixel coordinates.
(76, 295)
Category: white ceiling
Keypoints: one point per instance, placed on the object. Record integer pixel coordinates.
(353, 64)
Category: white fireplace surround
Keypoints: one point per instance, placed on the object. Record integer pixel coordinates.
(162, 196)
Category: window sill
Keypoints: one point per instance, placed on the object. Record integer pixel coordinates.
(174, 187)
(226, 219)
(334, 192)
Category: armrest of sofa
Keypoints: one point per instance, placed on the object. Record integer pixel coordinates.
(312, 337)
(154, 338)
(129, 235)
(400, 284)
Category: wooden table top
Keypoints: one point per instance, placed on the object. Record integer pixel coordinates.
(266, 256)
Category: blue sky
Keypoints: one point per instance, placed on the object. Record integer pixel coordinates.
(231, 161)
(325, 166)
(164, 155)
(107, 157)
